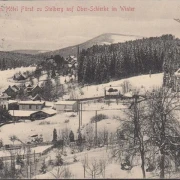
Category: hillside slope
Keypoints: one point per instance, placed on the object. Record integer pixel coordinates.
(107, 38)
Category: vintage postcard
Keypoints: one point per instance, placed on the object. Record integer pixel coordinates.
(89, 89)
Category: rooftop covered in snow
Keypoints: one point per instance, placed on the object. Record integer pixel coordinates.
(19, 113)
(66, 102)
(32, 102)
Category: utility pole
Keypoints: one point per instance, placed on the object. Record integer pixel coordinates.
(135, 119)
(96, 128)
(81, 113)
(34, 163)
(79, 106)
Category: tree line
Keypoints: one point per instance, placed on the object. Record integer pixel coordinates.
(102, 63)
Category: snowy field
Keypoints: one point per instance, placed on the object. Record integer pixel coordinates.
(113, 169)
(137, 82)
(24, 130)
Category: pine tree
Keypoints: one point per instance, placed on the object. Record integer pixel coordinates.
(54, 135)
(71, 136)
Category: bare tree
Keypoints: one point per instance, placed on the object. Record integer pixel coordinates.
(126, 86)
(61, 172)
(164, 125)
(94, 167)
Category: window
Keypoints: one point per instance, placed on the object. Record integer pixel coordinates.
(37, 107)
(30, 106)
(23, 106)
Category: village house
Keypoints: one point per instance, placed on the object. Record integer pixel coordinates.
(4, 100)
(71, 106)
(11, 91)
(36, 90)
(23, 114)
(28, 89)
(19, 77)
(31, 105)
(112, 92)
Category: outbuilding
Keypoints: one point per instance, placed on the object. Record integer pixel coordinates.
(67, 106)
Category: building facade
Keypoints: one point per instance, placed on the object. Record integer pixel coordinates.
(31, 105)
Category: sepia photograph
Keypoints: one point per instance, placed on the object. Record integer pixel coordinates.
(89, 89)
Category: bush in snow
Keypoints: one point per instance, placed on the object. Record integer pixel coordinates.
(98, 118)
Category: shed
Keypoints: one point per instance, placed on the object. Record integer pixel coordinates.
(66, 106)
(32, 115)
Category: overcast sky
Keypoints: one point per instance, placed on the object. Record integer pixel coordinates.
(54, 30)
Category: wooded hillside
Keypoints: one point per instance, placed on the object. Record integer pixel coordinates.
(101, 63)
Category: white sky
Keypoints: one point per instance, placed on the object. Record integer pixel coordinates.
(54, 30)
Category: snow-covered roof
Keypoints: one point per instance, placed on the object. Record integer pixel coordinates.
(21, 113)
(142, 91)
(12, 101)
(4, 95)
(36, 96)
(31, 102)
(49, 111)
(129, 94)
(177, 73)
(66, 102)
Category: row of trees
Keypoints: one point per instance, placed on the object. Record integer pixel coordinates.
(101, 63)
(14, 60)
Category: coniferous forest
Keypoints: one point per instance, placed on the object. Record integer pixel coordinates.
(102, 63)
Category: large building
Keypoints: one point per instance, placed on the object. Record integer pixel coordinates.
(31, 105)
(66, 106)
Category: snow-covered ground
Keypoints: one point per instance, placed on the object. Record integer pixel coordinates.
(113, 169)
(7, 75)
(148, 82)
(24, 130)
(38, 149)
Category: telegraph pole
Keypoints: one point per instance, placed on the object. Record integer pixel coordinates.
(79, 106)
(81, 113)
(96, 128)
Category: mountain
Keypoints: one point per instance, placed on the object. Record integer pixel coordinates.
(107, 38)
(32, 52)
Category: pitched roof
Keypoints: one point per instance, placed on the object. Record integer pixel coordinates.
(21, 113)
(129, 94)
(37, 86)
(49, 111)
(4, 95)
(177, 73)
(36, 96)
(66, 102)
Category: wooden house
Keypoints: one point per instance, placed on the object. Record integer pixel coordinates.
(11, 91)
(19, 77)
(36, 90)
(4, 100)
(66, 106)
(29, 89)
(113, 92)
(31, 105)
